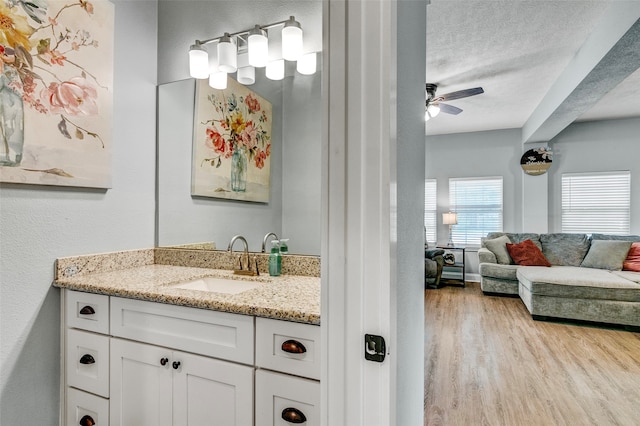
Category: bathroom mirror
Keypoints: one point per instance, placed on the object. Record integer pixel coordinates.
(293, 210)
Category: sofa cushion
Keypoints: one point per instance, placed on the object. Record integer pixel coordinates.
(504, 272)
(628, 275)
(606, 254)
(517, 237)
(564, 249)
(632, 238)
(632, 262)
(576, 282)
(527, 254)
(498, 246)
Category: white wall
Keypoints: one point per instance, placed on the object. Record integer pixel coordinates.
(477, 154)
(39, 224)
(596, 147)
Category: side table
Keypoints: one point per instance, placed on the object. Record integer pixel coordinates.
(457, 265)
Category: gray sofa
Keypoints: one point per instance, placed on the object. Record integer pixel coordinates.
(568, 289)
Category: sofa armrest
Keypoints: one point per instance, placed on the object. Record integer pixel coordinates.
(486, 256)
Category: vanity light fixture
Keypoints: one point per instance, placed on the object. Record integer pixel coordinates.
(254, 45)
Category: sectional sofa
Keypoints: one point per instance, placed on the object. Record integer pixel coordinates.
(585, 280)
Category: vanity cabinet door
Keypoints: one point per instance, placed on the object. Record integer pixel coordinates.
(211, 392)
(141, 384)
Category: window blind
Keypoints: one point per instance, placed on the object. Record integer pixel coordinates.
(430, 210)
(478, 203)
(596, 202)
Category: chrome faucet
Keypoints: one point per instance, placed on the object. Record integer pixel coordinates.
(246, 248)
(264, 240)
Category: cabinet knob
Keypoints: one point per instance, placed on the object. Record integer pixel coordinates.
(87, 359)
(293, 347)
(87, 310)
(176, 365)
(293, 415)
(164, 361)
(87, 421)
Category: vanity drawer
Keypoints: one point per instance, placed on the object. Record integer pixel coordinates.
(87, 362)
(283, 400)
(86, 409)
(201, 331)
(87, 311)
(289, 347)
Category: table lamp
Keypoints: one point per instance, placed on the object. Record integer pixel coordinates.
(450, 219)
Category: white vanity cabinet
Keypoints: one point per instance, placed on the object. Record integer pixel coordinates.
(133, 362)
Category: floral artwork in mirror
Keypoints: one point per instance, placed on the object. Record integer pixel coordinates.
(56, 97)
(231, 143)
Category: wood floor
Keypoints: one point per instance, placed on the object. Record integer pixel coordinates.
(488, 363)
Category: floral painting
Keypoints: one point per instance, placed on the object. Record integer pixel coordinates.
(231, 143)
(56, 78)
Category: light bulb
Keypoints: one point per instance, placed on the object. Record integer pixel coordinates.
(431, 111)
(258, 46)
(275, 70)
(291, 40)
(306, 65)
(227, 54)
(198, 62)
(246, 75)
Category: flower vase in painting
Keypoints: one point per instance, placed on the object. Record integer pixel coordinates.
(232, 143)
(56, 73)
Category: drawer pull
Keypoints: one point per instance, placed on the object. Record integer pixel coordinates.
(176, 365)
(293, 415)
(164, 361)
(87, 421)
(87, 359)
(87, 310)
(293, 347)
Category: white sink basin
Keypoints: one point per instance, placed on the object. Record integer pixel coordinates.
(218, 285)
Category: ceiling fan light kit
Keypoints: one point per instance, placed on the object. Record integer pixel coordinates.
(434, 103)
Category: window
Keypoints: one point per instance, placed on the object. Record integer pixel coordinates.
(430, 215)
(596, 202)
(478, 203)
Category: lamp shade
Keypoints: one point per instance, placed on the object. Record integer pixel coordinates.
(275, 70)
(227, 54)
(246, 75)
(450, 218)
(198, 62)
(258, 47)
(218, 80)
(291, 40)
(306, 65)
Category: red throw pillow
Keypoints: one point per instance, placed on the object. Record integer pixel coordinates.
(632, 262)
(527, 253)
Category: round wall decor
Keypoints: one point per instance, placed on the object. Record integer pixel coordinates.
(537, 161)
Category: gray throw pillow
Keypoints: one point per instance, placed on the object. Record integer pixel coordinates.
(498, 246)
(606, 254)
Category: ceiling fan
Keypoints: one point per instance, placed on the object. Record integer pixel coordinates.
(434, 103)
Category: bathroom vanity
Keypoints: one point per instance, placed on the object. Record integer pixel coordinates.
(142, 345)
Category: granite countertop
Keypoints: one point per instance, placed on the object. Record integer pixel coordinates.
(287, 297)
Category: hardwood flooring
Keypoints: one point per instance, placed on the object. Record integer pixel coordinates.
(487, 362)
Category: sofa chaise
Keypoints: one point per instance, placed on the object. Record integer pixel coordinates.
(585, 280)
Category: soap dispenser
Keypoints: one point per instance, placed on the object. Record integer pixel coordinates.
(275, 259)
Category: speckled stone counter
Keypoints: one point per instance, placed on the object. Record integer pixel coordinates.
(136, 275)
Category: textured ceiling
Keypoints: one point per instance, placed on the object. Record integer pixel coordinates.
(515, 50)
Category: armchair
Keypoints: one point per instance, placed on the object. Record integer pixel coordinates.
(433, 263)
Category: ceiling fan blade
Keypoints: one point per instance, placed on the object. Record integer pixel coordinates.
(461, 94)
(449, 109)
